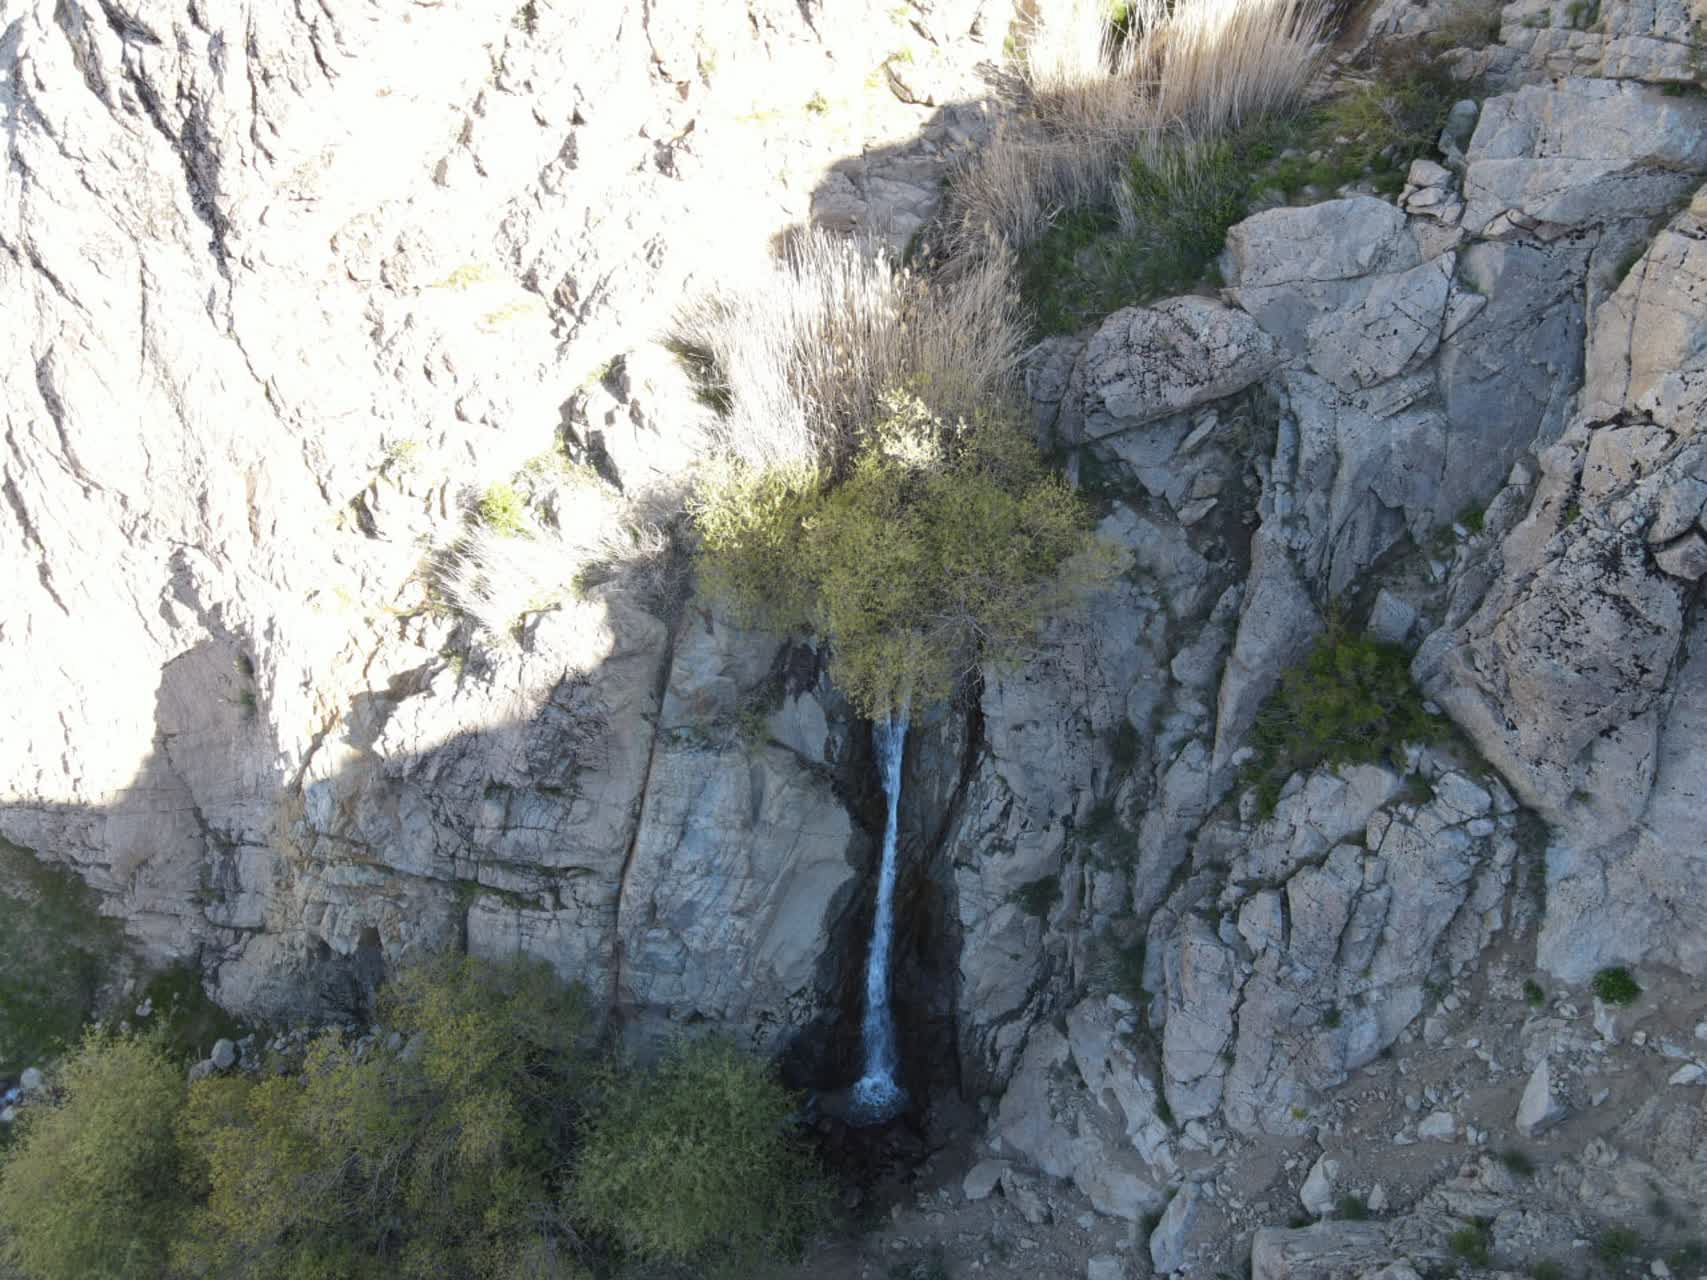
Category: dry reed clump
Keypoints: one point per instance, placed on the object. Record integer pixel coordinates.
(797, 363)
(572, 535)
(1158, 79)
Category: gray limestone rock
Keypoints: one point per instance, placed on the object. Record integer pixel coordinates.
(1147, 363)
(1539, 1109)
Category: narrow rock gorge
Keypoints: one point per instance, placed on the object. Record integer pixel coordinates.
(291, 290)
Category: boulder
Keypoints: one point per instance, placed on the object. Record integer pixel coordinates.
(1539, 1109)
(1169, 1240)
(1318, 1194)
(1147, 363)
(224, 1055)
(981, 1178)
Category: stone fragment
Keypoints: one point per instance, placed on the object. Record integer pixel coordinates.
(31, 1081)
(1392, 619)
(1317, 1193)
(981, 1178)
(1539, 1110)
(1168, 1241)
(1438, 1126)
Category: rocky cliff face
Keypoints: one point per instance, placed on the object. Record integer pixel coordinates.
(289, 289)
(292, 289)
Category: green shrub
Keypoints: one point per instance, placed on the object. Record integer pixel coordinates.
(1350, 700)
(1039, 897)
(1533, 995)
(1352, 1208)
(54, 950)
(694, 1161)
(91, 1189)
(424, 1159)
(1470, 1243)
(1616, 986)
(1518, 1162)
(1546, 1269)
(1616, 1244)
(502, 510)
(945, 545)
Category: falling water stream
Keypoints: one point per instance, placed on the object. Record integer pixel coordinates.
(878, 1096)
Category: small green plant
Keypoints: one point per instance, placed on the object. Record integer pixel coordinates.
(1038, 898)
(1616, 986)
(1688, 1257)
(1533, 995)
(818, 104)
(1352, 1208)
(1518, 1162)
(1470, 1243)
(934, 1267)
(502, 510)
(1580, 15)
(1616, 1244)
(1573, 511)
(1350, 700)
(1546, 1269)
(246, 700)
(1332, 1018)
(1472, 519)
(404, 456)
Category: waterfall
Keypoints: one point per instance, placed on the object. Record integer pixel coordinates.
(877, 1096)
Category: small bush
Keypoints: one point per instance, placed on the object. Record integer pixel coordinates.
(1350, 700)
(1616, 1244)
(1518, 1162)
(92, 1187)
(1616, 986)
(1352, 1208)
(1332, 1018)
(1533, 995)
(1039, 897)
(1546, 1269)
(693, 1161)
(502, 510)
(1470, 1243)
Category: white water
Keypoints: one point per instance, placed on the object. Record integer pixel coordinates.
(877, 1096)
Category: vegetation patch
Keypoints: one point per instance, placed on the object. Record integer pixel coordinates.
(1616, 986)
(479, 1140)
(1163, 228)
(947, 543)
(1039, 897)
(1472, 1244)
(692, 1161)
(1350, 701)
(55, 949)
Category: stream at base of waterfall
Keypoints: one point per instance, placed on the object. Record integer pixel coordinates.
(878, 1096)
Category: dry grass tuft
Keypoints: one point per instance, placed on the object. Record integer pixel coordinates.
(572, 535)
(798, 362)
(1158, 80)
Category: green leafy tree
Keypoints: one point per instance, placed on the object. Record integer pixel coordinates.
(947, 543)
(694, 1161)
(433, 1157)
(92, 1188)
